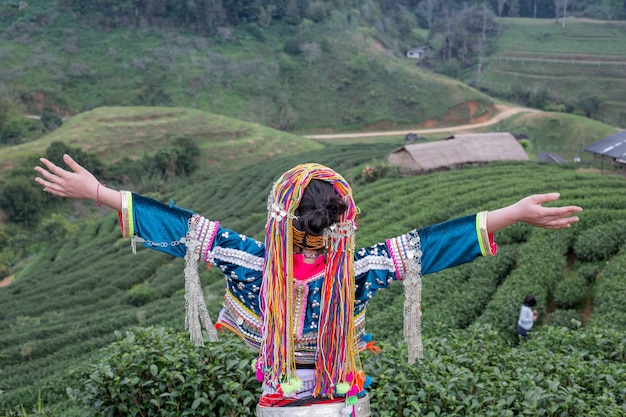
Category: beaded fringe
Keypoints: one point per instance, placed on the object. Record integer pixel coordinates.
(413, 297)
(194, 298)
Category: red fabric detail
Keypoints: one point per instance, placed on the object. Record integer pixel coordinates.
(119, 216)
(492, 244)
(277, 400)
(274, 400)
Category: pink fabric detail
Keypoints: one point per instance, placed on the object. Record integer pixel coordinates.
(303, 271)
(394, 259)
(212, 232)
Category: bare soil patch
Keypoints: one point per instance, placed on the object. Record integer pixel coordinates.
(6, 281)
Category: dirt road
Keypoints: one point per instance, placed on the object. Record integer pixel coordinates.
(504, 113)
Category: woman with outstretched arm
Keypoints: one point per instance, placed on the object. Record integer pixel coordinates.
(299, 297)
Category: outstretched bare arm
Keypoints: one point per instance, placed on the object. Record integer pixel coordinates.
(530, 210)
(77, 183)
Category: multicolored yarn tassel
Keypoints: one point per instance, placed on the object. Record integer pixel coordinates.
(337, 345)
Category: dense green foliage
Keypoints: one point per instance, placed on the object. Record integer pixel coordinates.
(68, 300)
(609, 294)
(155, 372)
(474, 373)
(23, 202)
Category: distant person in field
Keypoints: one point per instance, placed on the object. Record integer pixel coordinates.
(299, 297)
(527, 316)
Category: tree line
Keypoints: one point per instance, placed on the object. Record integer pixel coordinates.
(209, 16)
(460, 33)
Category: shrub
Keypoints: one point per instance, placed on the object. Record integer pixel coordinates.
(600, 242)
(292, 47)
(157, 372)
(589, 271)
(22, 200)
(141, 295)
(374, 172)
(565, 318)
(50, 120)
(56, 228)
(18, 130)
(317, 12)
(570, 292)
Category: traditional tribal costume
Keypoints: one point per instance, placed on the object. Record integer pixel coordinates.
(305, 320)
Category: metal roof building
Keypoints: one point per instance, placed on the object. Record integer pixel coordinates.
(612, 147)
(470, 149)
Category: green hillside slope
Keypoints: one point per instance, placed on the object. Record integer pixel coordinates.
(539, 61)
(115, 132)
(338, 75)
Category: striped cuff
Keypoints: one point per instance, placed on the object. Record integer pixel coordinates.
(127, 222)
(485, 239)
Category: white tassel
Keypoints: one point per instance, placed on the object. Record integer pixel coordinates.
(194, 299)
(413, 298)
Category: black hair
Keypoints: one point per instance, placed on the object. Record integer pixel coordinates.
(530, 301)
(319, 208)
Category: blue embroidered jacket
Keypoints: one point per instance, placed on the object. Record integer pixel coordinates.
(241, 260)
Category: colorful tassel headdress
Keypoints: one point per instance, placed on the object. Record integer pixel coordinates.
(337, 354)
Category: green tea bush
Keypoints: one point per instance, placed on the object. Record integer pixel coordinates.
(608, 302)
(565, 318)
(516, 233)
(600, 242)
(569, 292)
(157, 372)
(539, 268)
(140, 295)
(589, 271)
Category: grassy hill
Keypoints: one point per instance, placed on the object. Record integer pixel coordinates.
(69, 298)
(539, 56)
(115, 132)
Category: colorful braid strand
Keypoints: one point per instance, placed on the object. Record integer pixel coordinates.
(337, 359)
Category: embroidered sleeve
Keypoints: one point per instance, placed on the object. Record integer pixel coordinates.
(205, 234)
(443, 245)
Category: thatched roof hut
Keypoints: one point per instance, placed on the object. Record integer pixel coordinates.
(469, 149)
